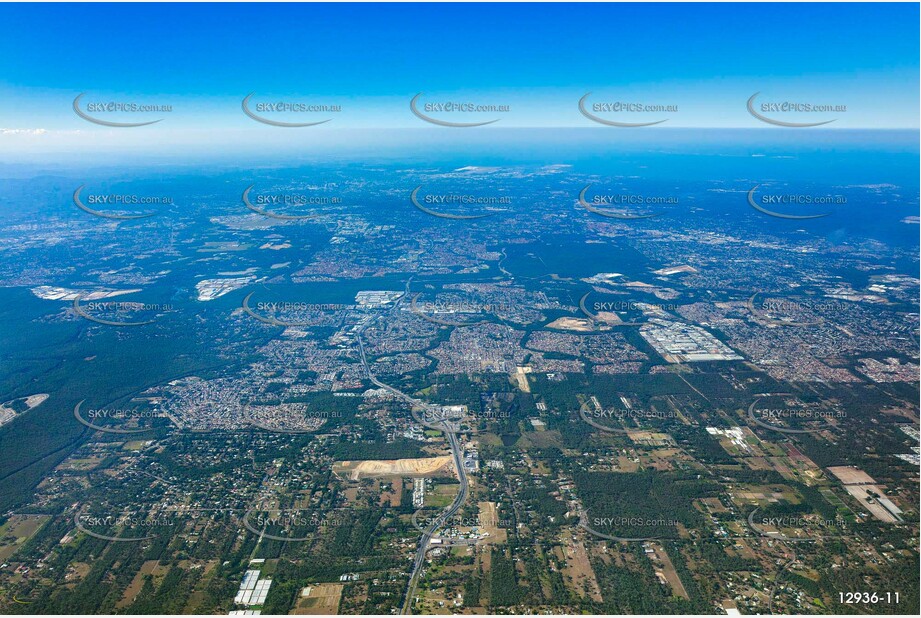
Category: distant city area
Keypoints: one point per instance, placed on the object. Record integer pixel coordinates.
(375, 410)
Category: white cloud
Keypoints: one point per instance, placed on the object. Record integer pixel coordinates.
(22, 131)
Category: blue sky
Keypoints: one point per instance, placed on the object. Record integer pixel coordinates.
(372, 58)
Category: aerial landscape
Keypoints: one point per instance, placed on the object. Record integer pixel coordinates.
(253, 363)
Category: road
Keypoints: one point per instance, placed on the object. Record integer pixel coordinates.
(426, 539)
(777, 583)
(457, 453)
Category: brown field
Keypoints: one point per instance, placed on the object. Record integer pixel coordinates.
(578, 570)
(851, 476)
(485, 560)
(758, 463)
(780, 465)
(521, 377)
(82, 464)
(650, 438)
(713, 505)
(539, 468)
(199, 594)
(575, 324)
(78, 571)
(743, 549)
(626, 464)
(372, 468)
(668, 571)
(540, 439)
(320, 599)
(393, 494)
(136, 584)
(489, 439)
(489, 523)
(18, 530)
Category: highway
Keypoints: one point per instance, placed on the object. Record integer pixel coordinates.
(450, 433)
(426, 539)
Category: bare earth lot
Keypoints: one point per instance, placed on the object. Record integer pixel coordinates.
(428, 466)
